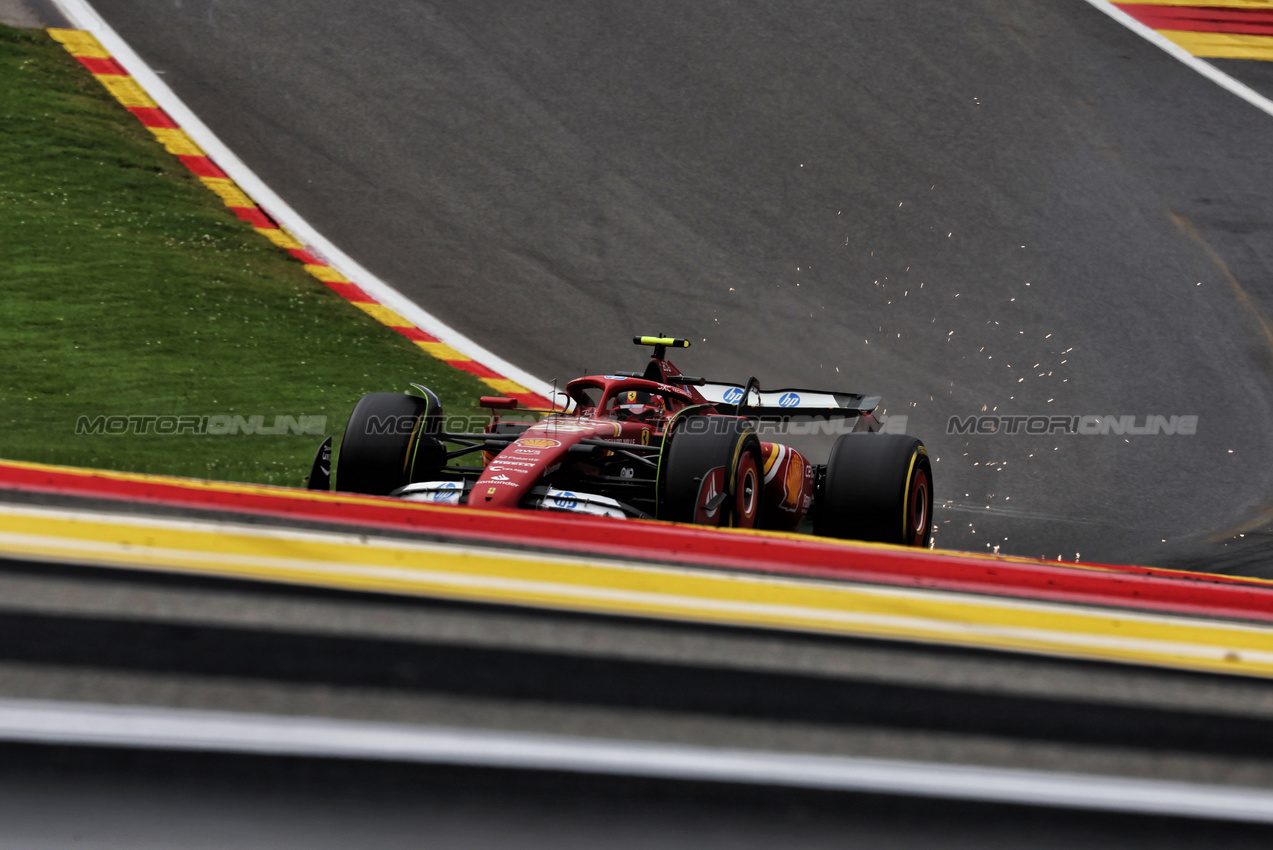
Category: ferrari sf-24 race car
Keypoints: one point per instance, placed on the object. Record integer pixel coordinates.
(654, 444)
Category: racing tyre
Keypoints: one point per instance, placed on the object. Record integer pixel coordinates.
(389, 442)
(710, 473)
(878, 487)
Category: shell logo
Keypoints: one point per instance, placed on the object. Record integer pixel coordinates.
(795, 483)
(537, 443)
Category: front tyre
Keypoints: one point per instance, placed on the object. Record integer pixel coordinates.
(878, 487)
(710, 473)
(389, 443)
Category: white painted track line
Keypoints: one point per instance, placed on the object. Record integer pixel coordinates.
(1211, 72)
(82, 16)
(91, 724)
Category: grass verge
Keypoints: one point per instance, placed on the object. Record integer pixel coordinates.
(126, 288)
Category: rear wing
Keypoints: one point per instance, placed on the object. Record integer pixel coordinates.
(785, 403)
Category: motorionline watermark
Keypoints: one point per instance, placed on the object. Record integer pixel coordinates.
(211, 425)
(1089, 425)
(809, 426)
(282, 425)
(787, 426)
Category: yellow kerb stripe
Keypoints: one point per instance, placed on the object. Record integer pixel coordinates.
(326, 274)
(79, 43)
(442, 351)
(279, 237)
(382, 314)
(1220, 45)
(228, 191)
(126, 90)
(599, 585)
(176, 142)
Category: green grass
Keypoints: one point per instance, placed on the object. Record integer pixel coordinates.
(126, 287)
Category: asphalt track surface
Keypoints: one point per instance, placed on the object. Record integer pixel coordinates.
(144, 639)
(1011, 207)
(87, 799)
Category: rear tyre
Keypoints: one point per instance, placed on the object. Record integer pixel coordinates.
(709, 473)
(389, 442)
(878, 487)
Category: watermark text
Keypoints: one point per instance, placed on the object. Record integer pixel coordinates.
(1089, 425)
(214, 425)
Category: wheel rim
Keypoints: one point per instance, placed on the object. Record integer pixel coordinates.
(747, 492)
(917, 515)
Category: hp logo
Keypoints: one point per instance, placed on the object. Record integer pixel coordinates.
(788, 400)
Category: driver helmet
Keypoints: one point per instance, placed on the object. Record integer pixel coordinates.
(637, 404)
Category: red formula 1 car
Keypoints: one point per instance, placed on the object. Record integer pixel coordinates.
(653, 444)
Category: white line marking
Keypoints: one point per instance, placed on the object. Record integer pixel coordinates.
(1211, 72)
(91, 724)
(82, 16)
